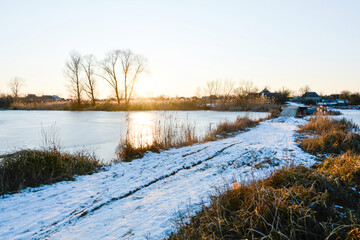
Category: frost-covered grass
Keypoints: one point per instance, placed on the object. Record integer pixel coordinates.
(32, 168)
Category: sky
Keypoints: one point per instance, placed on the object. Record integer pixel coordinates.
(275, 43)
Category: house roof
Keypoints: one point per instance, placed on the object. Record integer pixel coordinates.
(311, 94)
(265, 91)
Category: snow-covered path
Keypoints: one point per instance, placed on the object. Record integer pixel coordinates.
(140, 199)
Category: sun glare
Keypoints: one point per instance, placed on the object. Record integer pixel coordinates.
(141, 128)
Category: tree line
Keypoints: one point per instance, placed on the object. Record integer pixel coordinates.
(226, 90)
(120, 69)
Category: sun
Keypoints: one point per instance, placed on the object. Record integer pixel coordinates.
(144, 88)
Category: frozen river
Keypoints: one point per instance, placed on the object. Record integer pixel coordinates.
(352, 114)
(98, 132)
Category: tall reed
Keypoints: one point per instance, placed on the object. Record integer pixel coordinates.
(169, 132)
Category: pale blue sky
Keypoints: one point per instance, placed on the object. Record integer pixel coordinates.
(272, 43)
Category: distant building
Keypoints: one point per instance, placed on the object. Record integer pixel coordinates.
(311, 97)
(335, 96)
(57, 98)
(31, 98)
(266, 93)
(44, 98)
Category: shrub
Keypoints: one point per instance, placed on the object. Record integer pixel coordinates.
(31, 168)
(330, 136)
(275, 112)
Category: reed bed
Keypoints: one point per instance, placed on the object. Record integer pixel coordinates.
(172, 133)
(323, 135)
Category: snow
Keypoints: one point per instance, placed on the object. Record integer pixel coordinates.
(96, 131)
(295, 104)
(350, 114)
(142, 198)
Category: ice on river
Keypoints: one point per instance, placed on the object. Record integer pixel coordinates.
(98, 132)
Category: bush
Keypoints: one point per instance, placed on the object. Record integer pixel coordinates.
(31, 168)
(330, 136)
(6, 101)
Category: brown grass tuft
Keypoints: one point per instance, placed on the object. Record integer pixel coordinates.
(31, 168)
(330, 136)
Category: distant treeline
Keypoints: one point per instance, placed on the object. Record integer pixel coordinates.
(352, 98)
(187, 104)
(6, 101)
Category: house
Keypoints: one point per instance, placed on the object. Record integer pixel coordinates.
(311, 97)
(266, 93)
(57, 98)
(47, 98)
(335, 96)
(30, 98)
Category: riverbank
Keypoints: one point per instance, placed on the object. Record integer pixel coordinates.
(101, 132)
(141, 198)
(294, 202)
(181, 104)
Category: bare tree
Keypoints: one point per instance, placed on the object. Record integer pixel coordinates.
(245, 88)
(109, 66)
(345, 95)
(15, 85)
(132, 66)
(88, 64)
(304, 89)
(72, 70)
(213, 87)
(228, 87)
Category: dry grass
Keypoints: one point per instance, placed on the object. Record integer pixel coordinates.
(171, 133)
(227, 128)
(330, 136)
(32, 168)
(321, 125)
(108, 105)
(166, 104)
(344, 168)
(167, 134)
(41, 106)
(293, 203)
